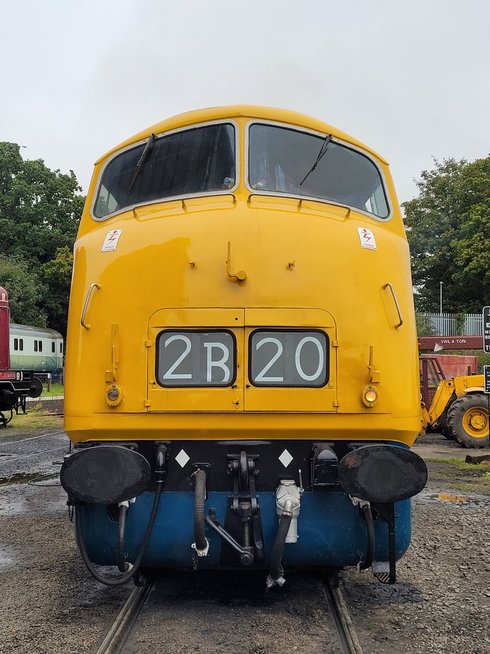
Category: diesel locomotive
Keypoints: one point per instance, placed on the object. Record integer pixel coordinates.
(241, 384)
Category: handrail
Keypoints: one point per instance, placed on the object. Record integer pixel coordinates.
(395, 300)
(86, 304)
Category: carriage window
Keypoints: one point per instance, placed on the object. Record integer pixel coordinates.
(16, 343)
(40, 346)
(288, 161)
(61, 348)
(21, 344)
(190, 162)
(53, 347)
(35, 346)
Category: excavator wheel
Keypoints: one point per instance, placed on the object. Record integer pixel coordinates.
(443, 427)
(467, 418)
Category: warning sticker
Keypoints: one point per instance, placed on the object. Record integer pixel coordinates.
(367, 238)
(111, 240)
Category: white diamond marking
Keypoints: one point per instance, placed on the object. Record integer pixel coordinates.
(285, 458)
(182, 458)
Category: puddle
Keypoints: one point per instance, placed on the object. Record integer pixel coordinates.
(455, 499)
(12, 506)
(5, 560)
(31, 478)
(449, 497)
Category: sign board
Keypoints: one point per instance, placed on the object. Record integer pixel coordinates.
(486, 329)
(439, 343)
(486, 378)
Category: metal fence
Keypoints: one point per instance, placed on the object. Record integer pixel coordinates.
(449, 324)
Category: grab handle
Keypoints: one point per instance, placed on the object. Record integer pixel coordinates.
(397, 306)
(86, 305)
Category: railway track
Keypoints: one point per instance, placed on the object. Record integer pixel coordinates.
(346, 632)
(120, 631)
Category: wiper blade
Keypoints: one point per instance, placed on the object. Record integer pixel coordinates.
(320, 156)
(141, 161)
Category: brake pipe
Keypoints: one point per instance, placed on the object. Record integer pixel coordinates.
(201, 543)
(122, 564)
(365, 508)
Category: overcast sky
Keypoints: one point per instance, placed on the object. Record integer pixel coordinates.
(409, 78)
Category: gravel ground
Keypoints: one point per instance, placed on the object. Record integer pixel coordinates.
(50, 604)
(441, 603)
(231, 614)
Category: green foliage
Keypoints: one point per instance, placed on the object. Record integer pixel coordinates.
(448, 227)
(39, 213)
(424, 325)
(26, 291)
(56, 390)
(56, 274)
(483, 360)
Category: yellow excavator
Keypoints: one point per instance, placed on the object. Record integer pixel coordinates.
(458, 408)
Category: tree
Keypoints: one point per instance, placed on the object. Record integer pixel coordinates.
(448, 226)
(39, 214)
(26, 292)
(56, 274)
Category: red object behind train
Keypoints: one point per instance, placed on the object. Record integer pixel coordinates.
(4, 330)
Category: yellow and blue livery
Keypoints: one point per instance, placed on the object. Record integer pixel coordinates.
(242, 375)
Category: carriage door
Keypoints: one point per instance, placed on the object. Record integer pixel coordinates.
(291, 360)
(195, 360)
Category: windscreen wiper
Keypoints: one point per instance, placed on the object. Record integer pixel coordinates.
(323, 149)
(141, 161)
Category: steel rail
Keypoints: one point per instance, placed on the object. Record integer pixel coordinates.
(124, 622)
(341, 617)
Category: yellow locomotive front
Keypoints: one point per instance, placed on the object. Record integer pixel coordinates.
(241, 274)
(254, 246)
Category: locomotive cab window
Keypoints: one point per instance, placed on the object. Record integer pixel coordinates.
(194, 161)
(292, 162)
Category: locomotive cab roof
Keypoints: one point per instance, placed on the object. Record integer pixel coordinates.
(277, 115)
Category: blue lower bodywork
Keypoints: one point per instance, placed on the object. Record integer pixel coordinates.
(331, 531)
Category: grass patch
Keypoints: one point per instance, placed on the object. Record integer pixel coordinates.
(56, 390)
(456, 474)
(35, 420)
(460, 464)
(471, 487)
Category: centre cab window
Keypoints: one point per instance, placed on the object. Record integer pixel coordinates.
(186, 163)
(292, 162)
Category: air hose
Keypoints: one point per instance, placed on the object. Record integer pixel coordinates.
(366, 510)
(132, 570)
(122, 564)
(201, 542)
(276, 571)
